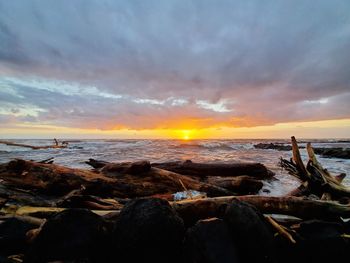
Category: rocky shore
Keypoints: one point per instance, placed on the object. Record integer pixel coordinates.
(133, 212)
(330, 152)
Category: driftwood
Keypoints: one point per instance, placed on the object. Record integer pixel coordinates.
(56, 145)
(14, 195)
(55, 180)
(201, 169)
(241, 185)
(193, 210)
(216, 169)
(238, 184)
(43, 212)
(315, 179)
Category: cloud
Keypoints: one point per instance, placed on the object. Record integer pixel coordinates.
(150, 64)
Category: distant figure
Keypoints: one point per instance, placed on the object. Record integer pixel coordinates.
(56, 142)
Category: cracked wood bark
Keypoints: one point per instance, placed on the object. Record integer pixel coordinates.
(193, 210)
(319, 180)
(257, 170)
(55, 180)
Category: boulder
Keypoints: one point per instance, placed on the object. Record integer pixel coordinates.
(148, 230)
(74, 234)
(13, 236)
(322, 241)
(250, 231)
(209, 241)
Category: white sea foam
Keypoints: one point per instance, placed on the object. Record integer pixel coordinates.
(175, 150)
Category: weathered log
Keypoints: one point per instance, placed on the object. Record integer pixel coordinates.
(49, 179)
(89, 202)
(216, 169)
(241, 185)
(15, 195)
(193, 210)
(29, 219)
(281, 229)
(56, 145)
(43, 212)
(126, 168)
(319, 180)
(236, 184)
(96, 163)
(57, 180)
(303, 173)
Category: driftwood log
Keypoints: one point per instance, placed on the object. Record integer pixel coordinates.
(239, 184)
(192, 210)
(56, 145)
(202, 170)
(188, 167)
(56, 180)
(314, 178)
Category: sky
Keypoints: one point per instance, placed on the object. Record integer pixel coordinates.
(174, 69)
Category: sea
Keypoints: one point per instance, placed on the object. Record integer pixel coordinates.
(210, 151)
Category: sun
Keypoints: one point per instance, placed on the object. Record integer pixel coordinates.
(186, 135)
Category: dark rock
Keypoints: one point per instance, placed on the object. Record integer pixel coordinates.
(333, 152)
(74, 234)
(321, 241)
(5, 260)
(13, 236)
(273, 146)
(343, 153)
(209, 241)
(148, 230)
(250, 231)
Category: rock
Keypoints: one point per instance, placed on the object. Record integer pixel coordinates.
(250, 231)
(74, 234)
(321, 241)
(209, 241)
(335, 152)
(148, 230)
(13, 236)
(273, 146)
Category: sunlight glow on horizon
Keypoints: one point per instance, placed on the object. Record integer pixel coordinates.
(312, 129)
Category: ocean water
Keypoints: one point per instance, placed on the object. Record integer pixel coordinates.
(213, 151)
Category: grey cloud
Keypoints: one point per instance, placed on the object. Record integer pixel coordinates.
(266, 57)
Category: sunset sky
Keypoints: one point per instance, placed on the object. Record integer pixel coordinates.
(174, 69)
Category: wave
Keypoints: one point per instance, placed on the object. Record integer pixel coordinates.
(226, 146)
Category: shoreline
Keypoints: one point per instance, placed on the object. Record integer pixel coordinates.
(118, 206)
